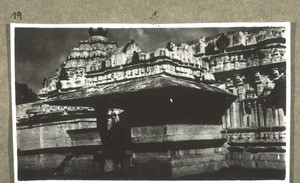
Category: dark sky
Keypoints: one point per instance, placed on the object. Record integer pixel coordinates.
(40, 51)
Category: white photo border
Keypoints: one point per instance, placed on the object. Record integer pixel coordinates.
(287, 25)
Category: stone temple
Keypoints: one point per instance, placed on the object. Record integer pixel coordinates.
(185, 109)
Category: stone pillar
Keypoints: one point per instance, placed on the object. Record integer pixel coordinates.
(224, 122)
(281, 117)
(275, 116)
(249, 113)
(237, 116)
(241, 91)
(230, 113)
(260, 115)
(253, 118)
(241, 97)
(259, 90)
(269, 117)
(258, 83)
(244, 115)
(256, 118)
(227, 118)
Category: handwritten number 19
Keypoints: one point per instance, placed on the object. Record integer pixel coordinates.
(17, 15)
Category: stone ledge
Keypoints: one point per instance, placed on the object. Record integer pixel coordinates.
(258, 129)
(178, 132)
(207, 167)
(259, 156)
(279, 165)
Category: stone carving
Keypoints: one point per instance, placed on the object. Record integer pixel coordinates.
(251, 39)
(239, 39)
(226, 59)
(219, 62)
(258, 77)
(202, 45)
(237, 65)
(98, 32)
(255, 62)
(254, 137)
(269, 34)
(250, 93)
(229, 83)
(171, 47)
(45, 83)
(222, 42)
(239, 79)
(213, 69)
(276, 55)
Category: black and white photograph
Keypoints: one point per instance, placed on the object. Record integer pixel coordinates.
(200, 101)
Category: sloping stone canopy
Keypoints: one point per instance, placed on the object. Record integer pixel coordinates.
(154, 100)
(144, 85)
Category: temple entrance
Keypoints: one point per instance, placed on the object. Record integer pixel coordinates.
(118, 132)
(115, 137)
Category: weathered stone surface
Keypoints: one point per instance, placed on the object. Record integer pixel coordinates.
(85, 137)
(52, 135)
(152, 164)
(198, 168)
(179, 162)
(192, 132)
(151, 171)
(148, 134)
(196, 159)
(165, 154)
(267, 156)
(267, 160)
(249, 164)
(41, 162)
(209, 150)
(271, 165)
(79, 165)
(178, 132)
(271, 156)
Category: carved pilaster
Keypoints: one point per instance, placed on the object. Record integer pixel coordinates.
(281, 117)
(275, 116)
(229, 112)
(258, 83)
(255, 110)
(248, 116)
(239, 80)
(269, 117)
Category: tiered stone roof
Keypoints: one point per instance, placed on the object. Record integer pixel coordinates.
(99, 61)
